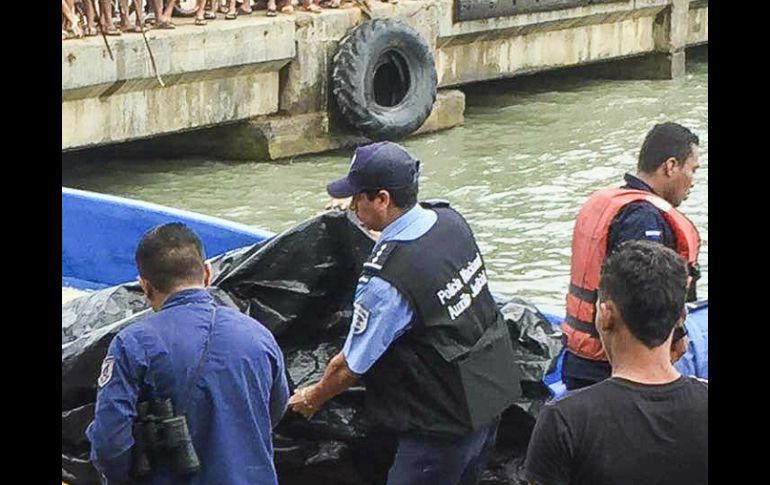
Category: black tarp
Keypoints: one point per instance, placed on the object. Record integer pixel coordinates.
(300, 285)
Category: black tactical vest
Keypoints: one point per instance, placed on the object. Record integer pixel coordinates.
(453, 370)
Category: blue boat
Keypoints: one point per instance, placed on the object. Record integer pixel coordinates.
(693, 363)
(100, 233)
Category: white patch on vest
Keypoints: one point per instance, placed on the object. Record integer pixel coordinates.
(360, 319)
(106, 373)
(652, 234)
(659, 202)
(462, 305)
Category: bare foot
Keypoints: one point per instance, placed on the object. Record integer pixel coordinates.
(312, 8)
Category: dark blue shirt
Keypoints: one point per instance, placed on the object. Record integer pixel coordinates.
(240, 394)
(639, 220)
(635, 221)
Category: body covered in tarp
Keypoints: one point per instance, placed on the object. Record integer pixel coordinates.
(300, 285)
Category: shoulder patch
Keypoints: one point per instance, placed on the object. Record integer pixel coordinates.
(106, 373)
(360, 319)
(378, 258)
(652, 235)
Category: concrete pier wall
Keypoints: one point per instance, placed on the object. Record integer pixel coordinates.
(266, 80)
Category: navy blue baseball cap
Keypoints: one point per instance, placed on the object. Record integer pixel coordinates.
(381, 165)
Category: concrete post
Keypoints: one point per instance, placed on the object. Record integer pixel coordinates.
(667, 61)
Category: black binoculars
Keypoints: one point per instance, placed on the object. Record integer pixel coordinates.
(162, 439)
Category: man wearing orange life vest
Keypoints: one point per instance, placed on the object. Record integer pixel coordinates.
(644, 208)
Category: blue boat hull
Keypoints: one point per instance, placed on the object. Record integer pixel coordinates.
(693, 363)
(100, 233)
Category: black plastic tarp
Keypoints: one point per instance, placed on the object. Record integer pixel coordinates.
(300, 285)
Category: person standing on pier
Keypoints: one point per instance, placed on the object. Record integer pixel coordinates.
(644, 208)
(426, 335)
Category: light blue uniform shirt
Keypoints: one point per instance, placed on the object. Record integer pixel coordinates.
(380, 313)
(695, 362)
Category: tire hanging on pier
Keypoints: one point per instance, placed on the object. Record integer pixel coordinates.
(384, 79)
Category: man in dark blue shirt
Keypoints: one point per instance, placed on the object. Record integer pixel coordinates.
(220, 368)
(667, 164)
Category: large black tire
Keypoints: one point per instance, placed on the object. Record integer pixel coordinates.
(384, 79)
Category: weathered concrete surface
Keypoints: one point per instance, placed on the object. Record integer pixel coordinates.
(698, 22)
(275, 72)
(537, 51)
(504, 47)
(187, 50)
(225, 73)
(279, 136)
(128, 115)
(316, 132)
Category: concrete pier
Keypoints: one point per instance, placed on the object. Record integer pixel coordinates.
(261, 85)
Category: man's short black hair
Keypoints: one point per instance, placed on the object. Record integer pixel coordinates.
(403, 198)
(665, 140)
(648, 284)
(169, 255)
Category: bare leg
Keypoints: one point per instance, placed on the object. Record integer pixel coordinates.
(71, 18)
(162, 19)
(90, 14)
(123, 6)
(139, 14)
(310, 6)
(157, 9)
(169, 10)
(231, 12)
(105, 18)
(200, 12)
(210, 9)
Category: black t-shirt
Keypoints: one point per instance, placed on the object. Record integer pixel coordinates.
(620, 432)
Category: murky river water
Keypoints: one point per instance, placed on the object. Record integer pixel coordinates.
(519, 170)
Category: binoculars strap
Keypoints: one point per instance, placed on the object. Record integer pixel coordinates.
(204, 354)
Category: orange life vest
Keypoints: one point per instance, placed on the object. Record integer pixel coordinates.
(589, 246)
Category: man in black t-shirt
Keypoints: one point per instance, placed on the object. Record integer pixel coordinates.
(647, 424)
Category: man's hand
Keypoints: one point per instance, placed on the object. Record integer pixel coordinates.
(300, 403)
(337, 377)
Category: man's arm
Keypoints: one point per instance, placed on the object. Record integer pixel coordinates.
(381, 314)
(336, 379)
(111, 431)
(639, 221)
(279, 394)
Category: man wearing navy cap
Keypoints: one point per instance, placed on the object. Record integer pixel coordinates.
(426, 335)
